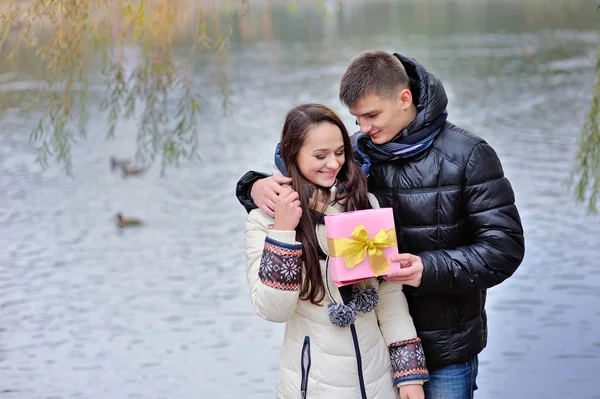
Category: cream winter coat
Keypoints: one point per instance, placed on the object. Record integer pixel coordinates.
(389, 351)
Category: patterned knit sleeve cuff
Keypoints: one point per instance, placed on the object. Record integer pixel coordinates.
(408, 361)
(280, 265)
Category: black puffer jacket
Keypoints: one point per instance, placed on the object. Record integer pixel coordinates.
(454, 208)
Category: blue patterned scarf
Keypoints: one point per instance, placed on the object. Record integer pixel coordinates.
(400, 147)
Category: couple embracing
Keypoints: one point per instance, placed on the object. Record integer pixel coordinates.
(416, 332)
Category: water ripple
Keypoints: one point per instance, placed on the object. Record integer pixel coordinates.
(91, 311)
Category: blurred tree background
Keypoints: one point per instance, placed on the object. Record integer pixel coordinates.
(68, 35)
(154, 88)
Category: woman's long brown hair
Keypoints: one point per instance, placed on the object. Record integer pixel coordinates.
(351, 183)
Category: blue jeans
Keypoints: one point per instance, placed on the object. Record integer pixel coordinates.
(456, 381)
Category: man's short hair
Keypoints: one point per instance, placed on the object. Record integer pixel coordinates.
(373, 72)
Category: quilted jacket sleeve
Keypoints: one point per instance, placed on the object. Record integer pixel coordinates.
(396, 324)
(492, 219)
(243, 187)
(273, 264)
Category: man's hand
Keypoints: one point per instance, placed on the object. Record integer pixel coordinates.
(265, 191)
(412, 391)
(411, 270)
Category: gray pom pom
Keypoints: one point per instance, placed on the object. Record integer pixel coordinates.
(365, 300)
(341, 315)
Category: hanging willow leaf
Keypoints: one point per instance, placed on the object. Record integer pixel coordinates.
(67, 34)
(586, 174)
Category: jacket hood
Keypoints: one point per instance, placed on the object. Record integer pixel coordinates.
(428, 93)
(278, 161)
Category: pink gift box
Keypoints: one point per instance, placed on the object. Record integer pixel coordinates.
(343, 225)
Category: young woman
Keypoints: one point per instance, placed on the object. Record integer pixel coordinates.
(354, 342)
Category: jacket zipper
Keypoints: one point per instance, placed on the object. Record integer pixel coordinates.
(346, 293)
(361, 380)
(305, 364)
(439, 206)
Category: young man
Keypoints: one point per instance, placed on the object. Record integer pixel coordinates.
(459, 231)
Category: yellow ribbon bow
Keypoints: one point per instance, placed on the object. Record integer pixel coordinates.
(355, 250)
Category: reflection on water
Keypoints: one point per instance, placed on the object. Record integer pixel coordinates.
(163, 312)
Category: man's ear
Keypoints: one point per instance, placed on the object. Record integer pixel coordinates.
(405, 97)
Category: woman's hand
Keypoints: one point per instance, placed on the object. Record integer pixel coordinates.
(287, 210)
(265, 192)
(413, 391)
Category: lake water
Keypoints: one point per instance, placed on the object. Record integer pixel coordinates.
(163, 311)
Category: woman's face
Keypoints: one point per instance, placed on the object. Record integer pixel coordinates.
(322, 155)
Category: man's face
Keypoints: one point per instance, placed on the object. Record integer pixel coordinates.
(381, 118)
